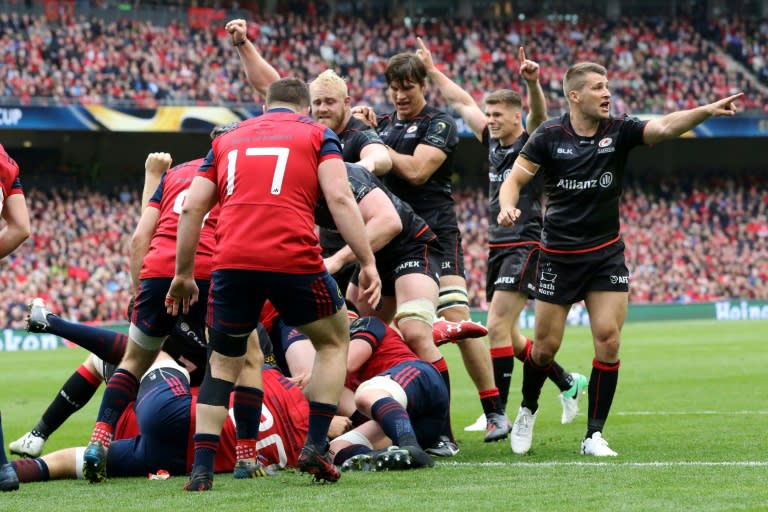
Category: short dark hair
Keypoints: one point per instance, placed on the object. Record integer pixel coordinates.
(405, 67)
(576, 76)
(290, 90)
(506, 97)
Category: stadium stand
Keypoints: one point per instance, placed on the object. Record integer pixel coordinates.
(657, 64)
(688, 240)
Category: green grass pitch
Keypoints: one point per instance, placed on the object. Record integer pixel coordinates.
(690, 423)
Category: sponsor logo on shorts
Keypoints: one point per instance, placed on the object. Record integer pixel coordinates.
(619, 279)
(547, 283)
(408, 264)
(505, 280)
(446, 265)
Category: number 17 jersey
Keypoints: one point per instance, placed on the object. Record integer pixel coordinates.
(265, 171)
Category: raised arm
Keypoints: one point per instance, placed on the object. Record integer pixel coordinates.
(459, 99)
(537, 105)
(154, 167)
(677, 123)
(259, 72)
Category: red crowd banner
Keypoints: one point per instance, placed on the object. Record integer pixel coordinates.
(203, 17)
(55, 9)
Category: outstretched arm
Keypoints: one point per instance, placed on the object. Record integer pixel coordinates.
(459, 99)
(259, 72)
(677, 123)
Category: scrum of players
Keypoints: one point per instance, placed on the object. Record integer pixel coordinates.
(321, 351)
(395, 375)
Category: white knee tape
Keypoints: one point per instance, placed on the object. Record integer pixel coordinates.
(416, 309)
(355, 437)
(386, 384)
(167, 363)
(153, 343)
(452, 297)
(98, 365)
(79, 452)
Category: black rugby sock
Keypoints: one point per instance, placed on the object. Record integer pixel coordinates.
(602, 388)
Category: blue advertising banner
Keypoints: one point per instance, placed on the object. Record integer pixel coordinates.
(203, 119)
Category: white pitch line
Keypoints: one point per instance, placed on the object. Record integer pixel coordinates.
(689, 413)
(658, 464)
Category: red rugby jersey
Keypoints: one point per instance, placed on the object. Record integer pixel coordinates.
(10, 183)
(160, 260)
(266, 174)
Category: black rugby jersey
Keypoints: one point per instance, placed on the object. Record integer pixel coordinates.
(363, 182)
(355, 136)
(433, 128)
(528, 226)
(583, 179)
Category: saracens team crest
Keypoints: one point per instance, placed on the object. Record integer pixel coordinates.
(605, 146)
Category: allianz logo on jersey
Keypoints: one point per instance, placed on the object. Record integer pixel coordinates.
(605, 146)
(604, 181)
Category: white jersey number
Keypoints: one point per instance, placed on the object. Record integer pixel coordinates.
(279, 173)
(179, 202)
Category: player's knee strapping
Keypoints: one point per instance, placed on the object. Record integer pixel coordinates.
(227, 344)
(416, 309)
(452, 297)
(214, 391)
(105, 370)
(152, 343)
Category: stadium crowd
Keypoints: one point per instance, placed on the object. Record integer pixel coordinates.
(76, 259)
(703, 240)
(657, 65)
(699, 241)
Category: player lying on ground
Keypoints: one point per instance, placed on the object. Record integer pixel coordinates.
(185, 345)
